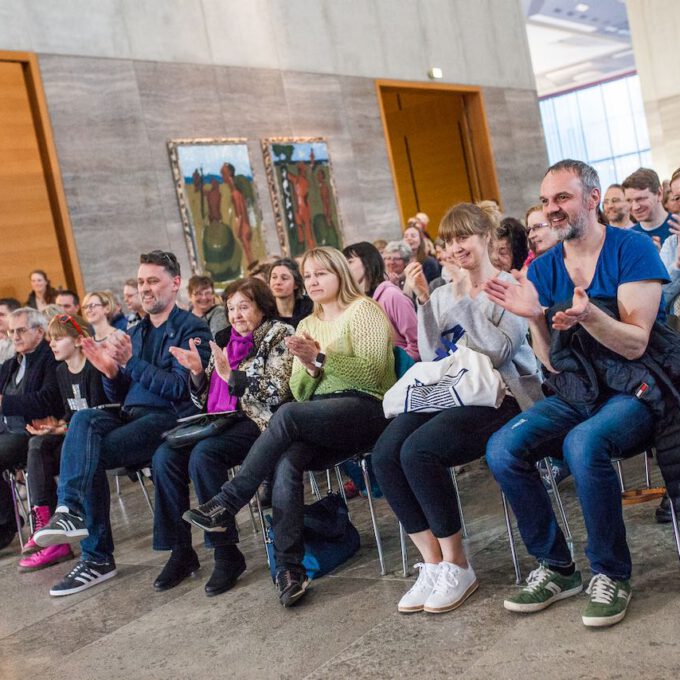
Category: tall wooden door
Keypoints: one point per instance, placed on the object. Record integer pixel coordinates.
(31, 224)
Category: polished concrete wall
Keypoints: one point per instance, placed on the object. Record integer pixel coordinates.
(655, 25)
(478, 43)
(112, 119)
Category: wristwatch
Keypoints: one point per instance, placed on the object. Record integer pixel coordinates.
(320, 360)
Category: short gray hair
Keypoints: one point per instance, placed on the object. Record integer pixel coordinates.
(586, 173)
(400, 247)
(34, 318)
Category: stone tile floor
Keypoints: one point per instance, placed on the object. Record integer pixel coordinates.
(347, 626)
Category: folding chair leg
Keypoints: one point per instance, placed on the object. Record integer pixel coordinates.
(252, 516)
(315, 487)
(15, 503)
(265, 536)
(404, 550)
(329, 481)
(511, 539)
(676, 530)
(118, 485)
(454, 479)
(619, 471)
(648, 473)
(140, 479)
(558, 500)
(363, 464)
(29, 503)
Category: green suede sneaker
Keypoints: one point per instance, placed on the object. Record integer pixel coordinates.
(608, 601)
(544, 586)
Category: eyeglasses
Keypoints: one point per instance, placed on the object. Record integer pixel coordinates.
(18, 331)
(65, 318)
(536, 227)
(92, 305)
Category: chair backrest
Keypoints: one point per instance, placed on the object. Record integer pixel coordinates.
(402, 361)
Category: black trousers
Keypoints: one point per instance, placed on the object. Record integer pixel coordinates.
(44, 454)
(13, 451)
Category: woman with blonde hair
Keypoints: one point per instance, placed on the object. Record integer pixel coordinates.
(343, 364)
(98, 308)
(411, 460)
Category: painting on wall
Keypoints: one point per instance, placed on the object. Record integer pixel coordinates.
(303, 193)
(219, 205)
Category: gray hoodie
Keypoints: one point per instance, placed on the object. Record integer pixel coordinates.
(489, 329)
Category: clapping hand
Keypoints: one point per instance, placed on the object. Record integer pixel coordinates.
(305, 348)
(221, 362)
(577, 313)
(520, 298)
(416, 281)
(189, 358)
(99, 357)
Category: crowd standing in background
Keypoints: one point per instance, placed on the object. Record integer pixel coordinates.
(289, 355)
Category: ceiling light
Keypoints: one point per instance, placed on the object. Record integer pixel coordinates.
(582, 7)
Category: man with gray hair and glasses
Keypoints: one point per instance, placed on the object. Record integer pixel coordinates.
(28, 391)
(153, 390)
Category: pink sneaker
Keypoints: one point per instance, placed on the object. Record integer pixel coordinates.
(42, 516)
(46, 557)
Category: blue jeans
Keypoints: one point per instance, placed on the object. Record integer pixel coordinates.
(591, 435)
(206, 464)
(97, 441)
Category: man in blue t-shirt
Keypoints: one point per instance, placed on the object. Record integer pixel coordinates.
(141, 374)
(592, 260)
(644, 194)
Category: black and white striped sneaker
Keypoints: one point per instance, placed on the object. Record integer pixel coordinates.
(83, 576)
(63, 526)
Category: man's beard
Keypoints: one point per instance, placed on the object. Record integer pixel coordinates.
(616, 216)
(575, 228)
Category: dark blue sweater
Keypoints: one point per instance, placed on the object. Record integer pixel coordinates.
(152, 376)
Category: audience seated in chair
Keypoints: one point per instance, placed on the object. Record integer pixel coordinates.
(248, 372)
(412, 457)
(592, 261)
(342, 367)
(142, 375)
(28, 390)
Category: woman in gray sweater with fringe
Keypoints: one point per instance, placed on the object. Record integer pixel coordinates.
(412, 458)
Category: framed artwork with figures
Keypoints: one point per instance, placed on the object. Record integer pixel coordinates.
(303, 193)
(219, 205)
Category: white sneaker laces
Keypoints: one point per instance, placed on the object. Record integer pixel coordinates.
(537, 578)
(601, 589)
(424, 580)
(447, 578)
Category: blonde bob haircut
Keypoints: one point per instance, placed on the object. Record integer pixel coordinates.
(467, 219)
(334, 261)
(104, 297)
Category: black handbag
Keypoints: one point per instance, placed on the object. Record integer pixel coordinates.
(192, 430)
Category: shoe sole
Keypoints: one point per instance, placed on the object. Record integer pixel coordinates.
(47, 537)
(294, 598)
(410, 610)
(453, 605)
(85, 586)
(26, 570)
(603, 621)
(224, 589)
(188, 517)
(538, 606)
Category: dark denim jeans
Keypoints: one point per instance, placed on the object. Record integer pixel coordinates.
(412, 458)
(97, 441)
(302, 436)
(206, 465)
(591, 435)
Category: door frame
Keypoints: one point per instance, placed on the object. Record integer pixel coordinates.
(483, 177)
(50, 164)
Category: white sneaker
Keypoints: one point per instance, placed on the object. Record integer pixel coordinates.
(453, 586)
(414, 599)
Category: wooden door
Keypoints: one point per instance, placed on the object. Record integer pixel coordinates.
(32, 222)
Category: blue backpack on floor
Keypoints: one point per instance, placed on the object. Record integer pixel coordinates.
(330, 537)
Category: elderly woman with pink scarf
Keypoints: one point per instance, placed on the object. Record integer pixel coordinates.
(248, 372)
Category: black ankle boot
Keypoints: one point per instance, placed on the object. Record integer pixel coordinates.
(663, 511)
(229, 565)
(182, 563)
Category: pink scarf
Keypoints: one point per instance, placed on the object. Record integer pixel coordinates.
(237, 349)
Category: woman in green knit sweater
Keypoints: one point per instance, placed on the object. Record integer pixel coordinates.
(343, 364)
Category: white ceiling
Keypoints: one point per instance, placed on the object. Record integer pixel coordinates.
(576, 43)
